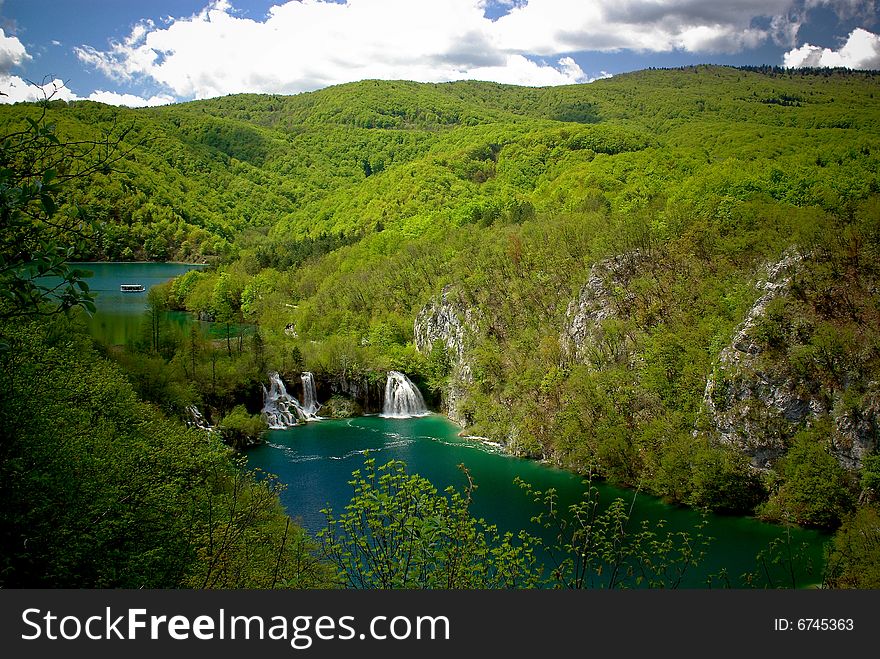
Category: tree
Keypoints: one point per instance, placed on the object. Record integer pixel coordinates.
(870, 480)
(297, 363)
(594, 547)
(723, 481)
(438, 366)
(816, 490)
(100, 490)
(240, 429)
(399, 532)
(225, 304)
(34, 276)
(36, 239)
(194, 346)
(156, 306)
(258, 348)
(854, 558)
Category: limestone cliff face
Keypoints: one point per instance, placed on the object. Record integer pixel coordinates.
(758, 404)
(856, 431)
(454, 324)
(368, 395)
(605, 296)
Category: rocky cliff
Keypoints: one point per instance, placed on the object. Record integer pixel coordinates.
(453, 323)
(588, 336)
(756, 401)
(359, 389)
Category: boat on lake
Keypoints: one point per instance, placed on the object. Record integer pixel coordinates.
(131, 288)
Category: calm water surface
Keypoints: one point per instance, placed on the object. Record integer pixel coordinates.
(315, 462)
(120, 316)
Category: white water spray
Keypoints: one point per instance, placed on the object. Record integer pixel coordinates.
(310, 405)
(403, 399)
(281, 410)
(197, 419)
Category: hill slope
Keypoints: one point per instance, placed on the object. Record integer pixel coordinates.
(668, 277)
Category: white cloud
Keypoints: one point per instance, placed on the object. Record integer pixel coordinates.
(130, 100)
(556, 26)
(12, 52)
(861, 51)
(308, 44)
(519, 70)
(13, 88)
(16, 90)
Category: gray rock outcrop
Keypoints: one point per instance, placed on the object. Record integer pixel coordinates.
(367, 394)
(757, 404)
(454, 324)
(605, 296)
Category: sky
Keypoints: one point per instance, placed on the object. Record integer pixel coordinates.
(156, 52)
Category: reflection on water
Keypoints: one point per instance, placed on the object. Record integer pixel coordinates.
(120, 315)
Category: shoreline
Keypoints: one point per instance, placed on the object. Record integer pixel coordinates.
(650, 505)
(138, 263)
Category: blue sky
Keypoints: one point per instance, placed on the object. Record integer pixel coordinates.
(161, 51)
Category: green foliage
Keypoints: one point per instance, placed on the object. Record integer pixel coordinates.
(594, 546)
(399, 532)
(782, 564)
(854, 557)
(724, 481)
(335, 216)
(37, 238)
(437, 367)
(240, 429)
(717, 478)
(817, 490)
(870, 480)
(101, 490)
(512, 195)
(182, 287)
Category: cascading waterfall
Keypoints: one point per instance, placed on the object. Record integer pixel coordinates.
(197, 419)
(403, 399)
(280, 409)
(310, 405)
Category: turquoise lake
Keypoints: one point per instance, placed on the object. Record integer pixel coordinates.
(119, 315)
(315, 462)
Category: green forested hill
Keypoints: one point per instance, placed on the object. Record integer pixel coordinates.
(341, 160)
(668, 278)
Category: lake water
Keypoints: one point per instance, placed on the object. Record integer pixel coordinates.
(315, 462)
(120, 316)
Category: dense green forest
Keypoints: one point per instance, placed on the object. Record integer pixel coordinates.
(667, 279)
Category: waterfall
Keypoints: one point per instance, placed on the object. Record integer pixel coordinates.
(402, 398)
(310, 405)
(280, 409)
(197, 419)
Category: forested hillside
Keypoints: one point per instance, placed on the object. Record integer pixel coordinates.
(667, 278)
